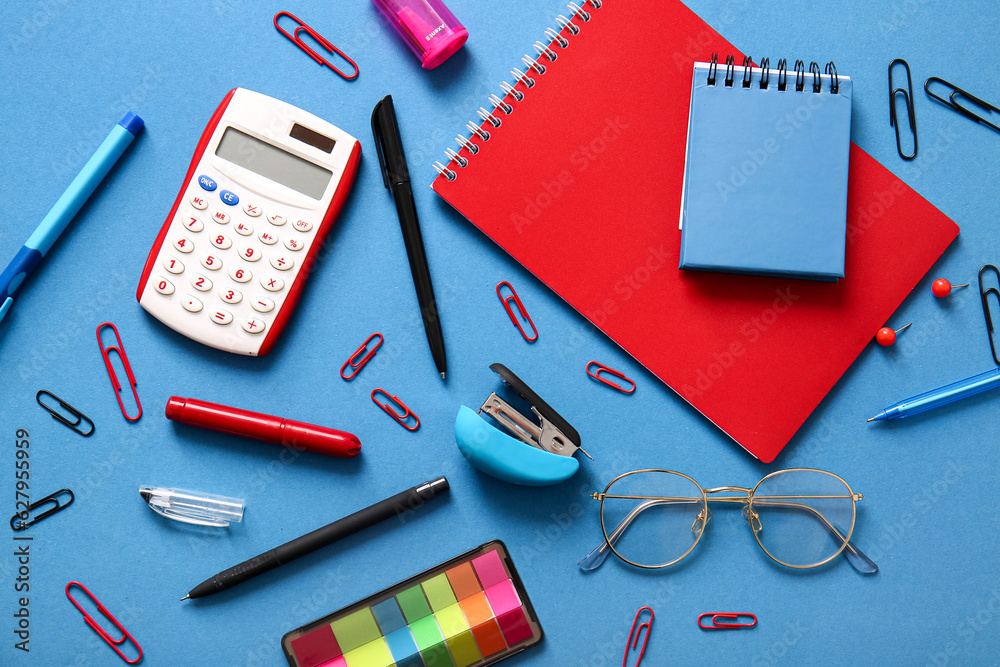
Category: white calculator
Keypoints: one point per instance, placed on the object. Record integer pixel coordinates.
(264, 189)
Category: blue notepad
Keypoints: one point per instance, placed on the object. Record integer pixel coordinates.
(765, 180)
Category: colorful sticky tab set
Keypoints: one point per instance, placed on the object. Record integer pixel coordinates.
(471, 611)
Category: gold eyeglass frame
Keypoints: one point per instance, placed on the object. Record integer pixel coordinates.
(751, 516)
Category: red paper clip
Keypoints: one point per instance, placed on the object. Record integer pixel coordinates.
(632, 644)
(113, 643)
(354, 363)
(401, 418)
(601, 368)
(111, 371)
(727, 626)
(323, 41)
(521, 311)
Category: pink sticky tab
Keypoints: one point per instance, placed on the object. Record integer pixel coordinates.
(336, 662)
(490, 569)
(503, 598)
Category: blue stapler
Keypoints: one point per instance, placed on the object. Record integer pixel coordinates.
(539, 453)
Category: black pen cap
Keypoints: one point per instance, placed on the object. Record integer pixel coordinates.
(389, 143)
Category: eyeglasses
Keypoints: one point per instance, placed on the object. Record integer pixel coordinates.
(800, 517)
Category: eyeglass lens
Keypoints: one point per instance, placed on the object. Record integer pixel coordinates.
(660, 524)
(804, 516)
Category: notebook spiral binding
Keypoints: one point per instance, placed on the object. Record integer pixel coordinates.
(504, 106)
(765, 74)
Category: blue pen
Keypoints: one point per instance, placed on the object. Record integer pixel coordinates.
(942, 396)
(56, 221)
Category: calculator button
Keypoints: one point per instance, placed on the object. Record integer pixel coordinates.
(222, 317)
(230, 295)
(243, 229)
(211, 262)
(183, 244)
(173, 265)
(206, 183)
(228, 197)
(163, 286)
(282, 262)
(199, 202)
(268, 238)
(272, 284)
(277, 219)
(252, 325)
(249, 253)
(193, 224)
(302, 225)
(252, 209)
(221, 217)
(221, 241)
(240, 274)
(201, 283)
(191, 304)
(294, 244)
(262, 304)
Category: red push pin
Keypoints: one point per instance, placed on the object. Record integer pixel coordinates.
(886, 337)
(942, 287)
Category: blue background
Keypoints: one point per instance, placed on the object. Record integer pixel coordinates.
(69, 71)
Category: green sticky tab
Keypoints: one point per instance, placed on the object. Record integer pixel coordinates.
(356, 630)
(372, 654)
(437, 656)
(452, 620)
(439, 592)
(464, 649)
(426, 633)
(413, 603)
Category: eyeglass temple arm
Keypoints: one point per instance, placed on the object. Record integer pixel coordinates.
(596, 558)
(858, 560)
(854, 555)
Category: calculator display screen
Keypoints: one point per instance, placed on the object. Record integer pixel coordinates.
(271, 162)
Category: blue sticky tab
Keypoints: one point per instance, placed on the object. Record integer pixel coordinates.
(388, 615)
(132, 123)
(402, 646)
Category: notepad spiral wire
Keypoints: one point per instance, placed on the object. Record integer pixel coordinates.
(491, 120)
(764, 70)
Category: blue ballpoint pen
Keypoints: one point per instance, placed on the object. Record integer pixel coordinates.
(57, 219)
(942, 396)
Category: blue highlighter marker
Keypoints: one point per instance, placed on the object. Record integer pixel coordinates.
(57, 219)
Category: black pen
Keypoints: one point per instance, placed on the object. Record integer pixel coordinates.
(321, 537)
(392, 160)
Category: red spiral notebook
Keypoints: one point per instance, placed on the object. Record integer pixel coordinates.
(581, 183)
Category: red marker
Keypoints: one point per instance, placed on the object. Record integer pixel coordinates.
(256, 426)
